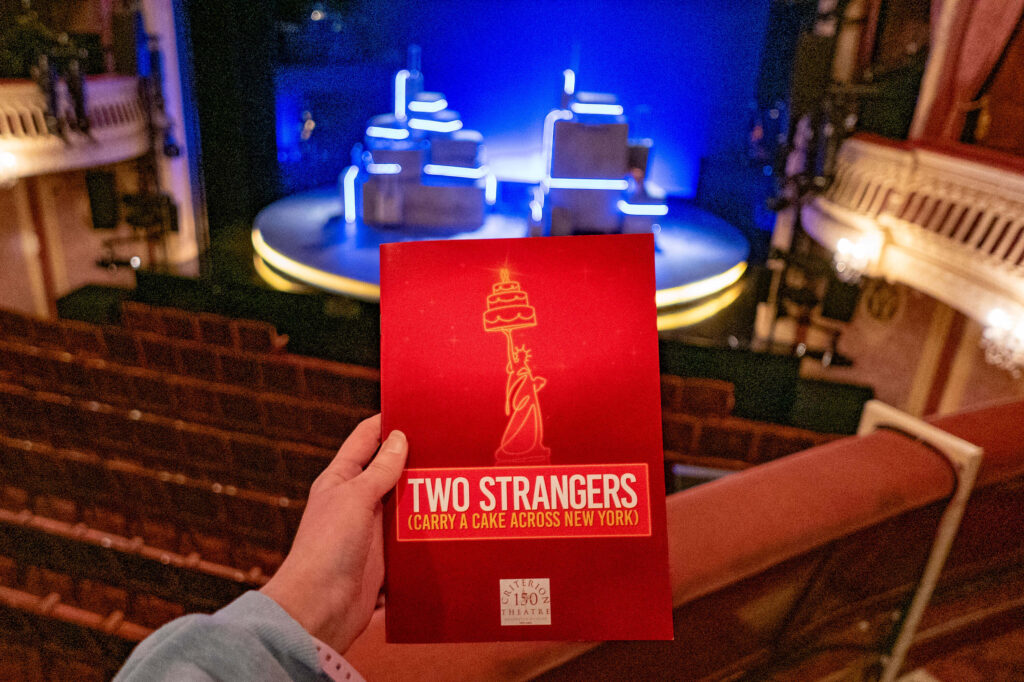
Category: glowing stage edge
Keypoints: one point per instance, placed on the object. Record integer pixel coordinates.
(325, 280)
(701, 312)
(693, 291)
(367, 291)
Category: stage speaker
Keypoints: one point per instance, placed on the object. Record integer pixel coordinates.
(840, 301)
(104, 203)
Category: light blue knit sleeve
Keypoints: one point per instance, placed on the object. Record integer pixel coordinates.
(252, 638)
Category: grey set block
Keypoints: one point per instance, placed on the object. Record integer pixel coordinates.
(456, 206)
(383, 200)
(461, 148)
(588, 150)
(584, 210)
(411, 160)
(388, 201)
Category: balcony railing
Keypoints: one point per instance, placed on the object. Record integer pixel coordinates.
(118, 127)
(948, 224)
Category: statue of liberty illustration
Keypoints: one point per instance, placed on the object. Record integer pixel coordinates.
(522, 443)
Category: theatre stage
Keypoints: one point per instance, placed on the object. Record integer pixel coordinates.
(303, 239)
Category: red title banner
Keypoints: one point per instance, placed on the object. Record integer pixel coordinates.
(528, 502)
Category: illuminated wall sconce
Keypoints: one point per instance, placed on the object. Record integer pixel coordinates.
(1003, 342)
(8, 176)
(852, 259)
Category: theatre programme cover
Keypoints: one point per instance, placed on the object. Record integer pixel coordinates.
(525, 374)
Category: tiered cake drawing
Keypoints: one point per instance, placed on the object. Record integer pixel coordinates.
(417, 166)
(522, 442)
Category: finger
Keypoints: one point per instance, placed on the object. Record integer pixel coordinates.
(357, 449)
(386, 468)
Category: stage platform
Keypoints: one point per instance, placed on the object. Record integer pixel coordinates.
(303, 240)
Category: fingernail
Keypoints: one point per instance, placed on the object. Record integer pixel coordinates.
(396, 440)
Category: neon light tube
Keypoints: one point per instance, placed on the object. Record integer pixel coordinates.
(570, 81)
(348, 185)
(549, 135)
(435, 126)
(653, 190)
(455, 171)
(537, 205)
(428, 107)
(536, 211)
(400, 78)
(388, 133)
(585, 183)
(491, 189)
(383, 168)
(603, 109)
(642, 209)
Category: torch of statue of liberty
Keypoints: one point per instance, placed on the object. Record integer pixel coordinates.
(508, 309)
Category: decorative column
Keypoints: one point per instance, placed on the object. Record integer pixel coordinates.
(48, 251)
(967, 354)
(935, 363)
(24, 272)
(175, 174)
(845, 61)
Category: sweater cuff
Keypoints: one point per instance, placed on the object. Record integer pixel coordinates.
(278, 631)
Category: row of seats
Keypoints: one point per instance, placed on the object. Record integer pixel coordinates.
(240, 334)
(129, 563)
(230, 407)
(26, 663)
(90, 595)
(161, 443)
(731, 442)
(290, 469)
(170, 510)
(291, 375)
(297, 376)
(43, 638)
(141, 432)
(697, 396)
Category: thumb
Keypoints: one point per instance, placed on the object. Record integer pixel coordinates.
(384, 471)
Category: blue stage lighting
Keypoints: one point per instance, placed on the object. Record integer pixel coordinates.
(599, 109)
(388, 133)
(435, 126)
(641, 209)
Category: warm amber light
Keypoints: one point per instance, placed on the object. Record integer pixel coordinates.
(704, 311)
(319, 278)
(371, 292)
(701, 288)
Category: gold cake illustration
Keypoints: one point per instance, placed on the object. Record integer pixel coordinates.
(508, 307)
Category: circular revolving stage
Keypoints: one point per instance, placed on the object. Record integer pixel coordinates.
(303, 240)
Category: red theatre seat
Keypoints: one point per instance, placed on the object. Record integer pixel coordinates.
(215, 329)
